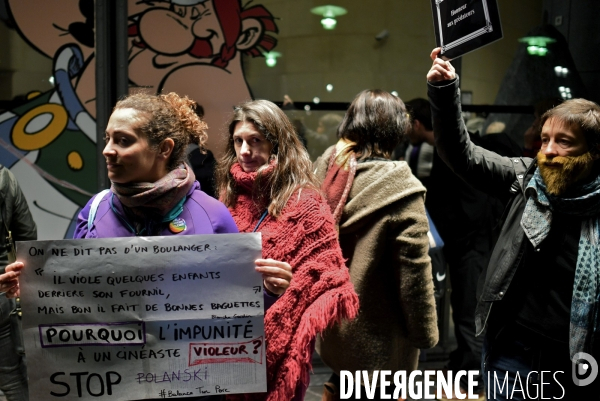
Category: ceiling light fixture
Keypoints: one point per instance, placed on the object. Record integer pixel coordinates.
(565, 92)
(271, 58)
(329, 13)
(536, 45)
(561, 71)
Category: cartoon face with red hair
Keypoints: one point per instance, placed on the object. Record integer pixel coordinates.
(192, 47)
(195, 47)
(204, 29)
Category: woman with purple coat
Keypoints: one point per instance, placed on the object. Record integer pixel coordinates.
(153, 191)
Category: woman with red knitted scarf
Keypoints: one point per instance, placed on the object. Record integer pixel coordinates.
(266, 181)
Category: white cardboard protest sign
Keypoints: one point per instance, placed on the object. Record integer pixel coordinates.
(145, 317)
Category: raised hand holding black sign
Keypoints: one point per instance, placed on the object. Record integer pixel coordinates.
(462, 26)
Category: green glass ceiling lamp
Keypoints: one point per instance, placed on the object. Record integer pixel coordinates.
(271, 58)
(536, 45)
(329, 13)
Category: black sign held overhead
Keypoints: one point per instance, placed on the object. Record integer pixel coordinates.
(462, 26)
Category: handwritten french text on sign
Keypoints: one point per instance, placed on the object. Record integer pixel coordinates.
(462, 26)
(141, 318)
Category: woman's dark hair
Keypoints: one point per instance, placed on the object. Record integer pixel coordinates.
(293, 168)
(376, 121)
(168, 116)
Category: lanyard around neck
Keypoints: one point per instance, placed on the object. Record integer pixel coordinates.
(174, 213)
(261, 220)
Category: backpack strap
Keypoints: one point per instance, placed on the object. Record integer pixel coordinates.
(94, 208)
(435, 240)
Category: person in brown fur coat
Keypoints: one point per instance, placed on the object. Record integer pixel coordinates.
(379, 207)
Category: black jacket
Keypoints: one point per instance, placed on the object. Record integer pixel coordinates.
(502, 177)
(14, 214)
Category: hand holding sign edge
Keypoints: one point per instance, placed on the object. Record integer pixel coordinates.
(441, 70)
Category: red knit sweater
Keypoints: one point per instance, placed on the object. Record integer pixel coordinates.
(320, 293)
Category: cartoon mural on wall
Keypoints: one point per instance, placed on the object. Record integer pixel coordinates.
(193, 47)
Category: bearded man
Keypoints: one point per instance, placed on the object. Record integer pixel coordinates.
(540, 294)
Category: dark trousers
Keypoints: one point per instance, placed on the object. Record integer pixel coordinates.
(465, 267)
(521, 365)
